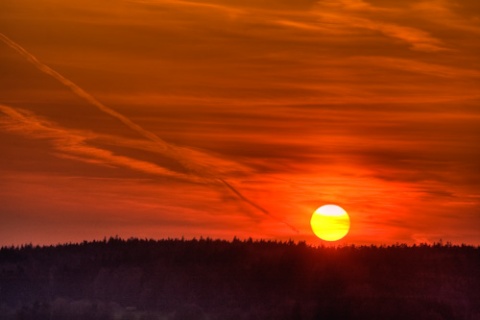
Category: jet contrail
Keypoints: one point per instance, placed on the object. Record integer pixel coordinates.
(253, 204)
(82, 93)
(165, 147)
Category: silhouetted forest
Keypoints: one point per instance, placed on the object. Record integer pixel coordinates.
(216, 279)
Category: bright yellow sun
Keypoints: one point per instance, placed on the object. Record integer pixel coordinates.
(330, 222)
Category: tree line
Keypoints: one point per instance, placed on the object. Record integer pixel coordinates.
(177, 279)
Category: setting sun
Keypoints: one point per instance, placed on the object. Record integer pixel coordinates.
(330, 222)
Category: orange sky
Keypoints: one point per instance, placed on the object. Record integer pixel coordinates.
(372, 105)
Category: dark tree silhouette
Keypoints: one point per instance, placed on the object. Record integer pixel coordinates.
(214, 279)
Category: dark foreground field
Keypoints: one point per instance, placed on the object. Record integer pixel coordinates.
(208, 279)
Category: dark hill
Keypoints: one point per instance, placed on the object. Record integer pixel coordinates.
(213, 279)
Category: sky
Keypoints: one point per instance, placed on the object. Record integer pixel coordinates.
(239, 118)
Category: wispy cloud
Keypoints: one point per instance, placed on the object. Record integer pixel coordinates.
(230, 10)
(448, 13)
(418, 39)
(420, 67)
(356, 15)
(355, 5)
(76, 144)
(163, 147)
(372, 104)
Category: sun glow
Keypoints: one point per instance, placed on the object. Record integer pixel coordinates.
(330, 222)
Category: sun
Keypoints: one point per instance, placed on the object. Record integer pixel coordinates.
(330, 222)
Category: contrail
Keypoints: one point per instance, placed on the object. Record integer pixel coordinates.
(165, 147)
(82, 93)
(253, 204)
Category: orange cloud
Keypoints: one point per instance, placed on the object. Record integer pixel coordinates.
(74, 144)
(370, 104)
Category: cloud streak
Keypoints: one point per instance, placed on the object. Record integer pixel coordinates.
(74, 144)
(164, 147)
(369, 104)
